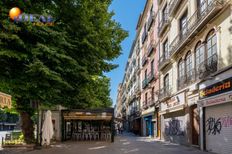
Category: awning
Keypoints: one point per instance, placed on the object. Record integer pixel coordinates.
(88, 115)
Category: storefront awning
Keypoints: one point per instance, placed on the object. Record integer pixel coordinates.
(105, 115)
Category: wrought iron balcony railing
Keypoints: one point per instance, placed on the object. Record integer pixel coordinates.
(164, 60)
(199, 19)
(209, 66)
(145, 83)
(144, 60)
(150, 50)
(173, 6)
(144, 37)
(187, 79)
(163, 24)
(151, 101)
(150, 21)
(145, 105)
(165, 93)
(151, 76)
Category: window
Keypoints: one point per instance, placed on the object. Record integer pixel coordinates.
(181, 68)
(183, 23)
(145, 75)
(189, 65)
(152, 93)
(202, 5)
(151, 10)
(166, 83)
(165, 13)
(145, 28)
(152, 67)
(200, 54)
(211, 47)
(165, 49)
(145, 98)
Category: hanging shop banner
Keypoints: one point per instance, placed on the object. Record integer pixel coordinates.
(216, 89)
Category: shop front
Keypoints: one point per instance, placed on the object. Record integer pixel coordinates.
(88, 125)
(174, 123)
(148, 122)
(216, 115)
(148, 126)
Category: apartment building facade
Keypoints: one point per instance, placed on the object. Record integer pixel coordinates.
(147, 30)
(195, 43)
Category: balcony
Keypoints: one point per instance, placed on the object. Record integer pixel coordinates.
(150, 50)
(145, 105)
(137, 88)
(151, 77)
(164, 61)
(145, 83)
(195, 23)
(165, 93)
(173, 6)
(187, 79)
(144, 37)
(150, 21)
(209, 66)
(144, 60)
(135, 112)
(163, 24)
(151, 102)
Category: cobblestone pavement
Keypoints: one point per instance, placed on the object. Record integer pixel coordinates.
(123, 144)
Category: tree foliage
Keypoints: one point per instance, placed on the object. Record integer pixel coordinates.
(60, 64)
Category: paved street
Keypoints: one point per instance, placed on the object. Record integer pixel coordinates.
(123, 144)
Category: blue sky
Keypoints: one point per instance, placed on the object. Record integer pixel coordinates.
(126, 13)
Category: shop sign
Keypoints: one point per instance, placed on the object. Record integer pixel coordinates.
(217, 88)
(192, 101)
(173, 102)
(216, 100)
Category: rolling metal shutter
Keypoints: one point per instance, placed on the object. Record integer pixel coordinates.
(218, 128)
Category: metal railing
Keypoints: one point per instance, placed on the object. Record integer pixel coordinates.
(145, 105)
(150, 49)
(187, 79)
(150, 21)
(208, 67)
(165, 93)
(163, 24)
(173, 5)
(151, 76)
(164, 59)
(144, 83)
(194, 23)
(144, 36)
(144, 60)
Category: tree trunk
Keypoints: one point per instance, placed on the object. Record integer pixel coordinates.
(27, 127)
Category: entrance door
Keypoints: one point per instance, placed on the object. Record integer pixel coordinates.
(148, 128)
(195, 125)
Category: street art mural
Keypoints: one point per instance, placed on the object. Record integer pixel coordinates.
(174, 127)
(214, 125)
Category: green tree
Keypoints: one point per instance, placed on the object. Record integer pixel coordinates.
(60, 64)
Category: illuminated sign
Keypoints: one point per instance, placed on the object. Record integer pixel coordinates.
(215, 89)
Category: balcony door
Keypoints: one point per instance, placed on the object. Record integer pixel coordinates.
(183, 24)
(211, 49)
(152, 67)
(165, 13)
(165, 49)
(166, 83)
(200, 56)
